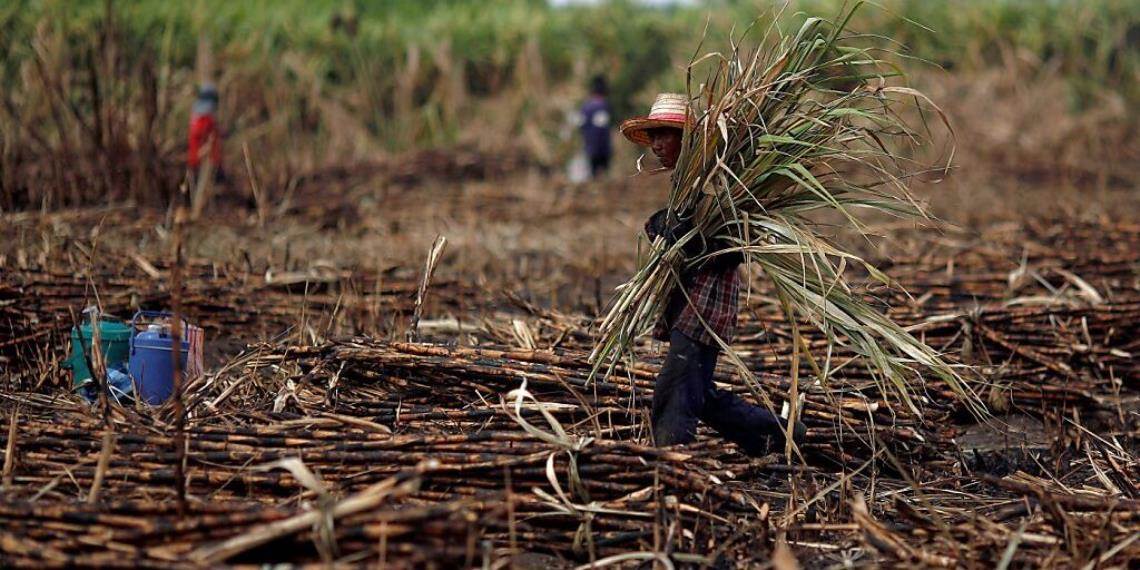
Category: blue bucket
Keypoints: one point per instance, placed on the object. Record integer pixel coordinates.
(150, 363)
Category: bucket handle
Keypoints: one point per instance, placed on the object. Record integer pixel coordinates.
(151, 315)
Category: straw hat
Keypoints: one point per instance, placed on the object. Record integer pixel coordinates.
(669, 110)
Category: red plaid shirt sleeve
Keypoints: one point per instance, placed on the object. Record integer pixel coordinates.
(710, 307)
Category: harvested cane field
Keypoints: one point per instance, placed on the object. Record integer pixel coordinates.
(376, 396)
(427, 452)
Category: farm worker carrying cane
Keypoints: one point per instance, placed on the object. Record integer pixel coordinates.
(205, 138)
(705, 304)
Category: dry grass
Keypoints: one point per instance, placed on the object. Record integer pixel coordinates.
(420, 433)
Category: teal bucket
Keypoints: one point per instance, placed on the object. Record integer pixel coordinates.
(114, 343)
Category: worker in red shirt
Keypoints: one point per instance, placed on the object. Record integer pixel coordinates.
(205, 137)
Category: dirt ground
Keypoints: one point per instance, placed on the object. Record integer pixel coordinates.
(322, 291)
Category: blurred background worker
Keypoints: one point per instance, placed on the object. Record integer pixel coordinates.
(595, 121)
(205, 137)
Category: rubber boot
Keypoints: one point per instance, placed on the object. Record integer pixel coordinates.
(799, 433)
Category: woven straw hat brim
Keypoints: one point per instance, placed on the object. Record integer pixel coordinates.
(636, 129)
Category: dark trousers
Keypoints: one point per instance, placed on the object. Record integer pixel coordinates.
(685, 393)
(599, 164)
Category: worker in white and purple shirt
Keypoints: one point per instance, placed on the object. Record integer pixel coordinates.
(594, 121)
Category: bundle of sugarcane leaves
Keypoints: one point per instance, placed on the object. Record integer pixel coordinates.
(779, 132)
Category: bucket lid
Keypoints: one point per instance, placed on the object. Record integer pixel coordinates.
(108, 330)
(157, 341)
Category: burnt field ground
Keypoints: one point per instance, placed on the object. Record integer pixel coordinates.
(329, 427)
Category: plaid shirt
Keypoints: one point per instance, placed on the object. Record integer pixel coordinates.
(713, 300)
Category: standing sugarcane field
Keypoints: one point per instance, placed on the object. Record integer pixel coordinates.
(570, 284)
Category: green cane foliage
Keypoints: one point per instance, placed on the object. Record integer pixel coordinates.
(801, 123)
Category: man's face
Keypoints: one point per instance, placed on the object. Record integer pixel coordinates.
(666, 145)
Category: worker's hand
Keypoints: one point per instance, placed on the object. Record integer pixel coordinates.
(656, 224)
